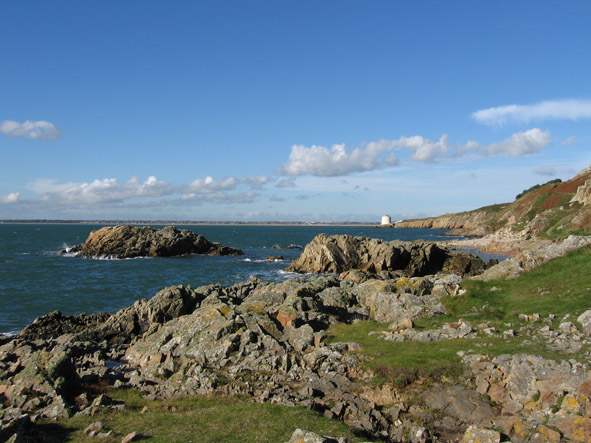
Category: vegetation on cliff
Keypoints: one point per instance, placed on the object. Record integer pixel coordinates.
(555, 209)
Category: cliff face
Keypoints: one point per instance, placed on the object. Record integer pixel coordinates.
(555, 209)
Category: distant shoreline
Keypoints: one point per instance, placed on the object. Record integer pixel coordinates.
(179, 223)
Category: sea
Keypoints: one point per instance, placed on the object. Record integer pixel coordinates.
(37, 278)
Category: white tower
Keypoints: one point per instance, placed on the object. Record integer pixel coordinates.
(386, 220)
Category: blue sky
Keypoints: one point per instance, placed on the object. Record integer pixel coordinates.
(292, 111)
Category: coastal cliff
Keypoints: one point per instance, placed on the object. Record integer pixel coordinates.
(552, 210)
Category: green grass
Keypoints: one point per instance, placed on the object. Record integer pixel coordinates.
(560, 287)
(199, 419)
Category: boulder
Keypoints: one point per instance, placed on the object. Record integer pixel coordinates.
(340, 253)
(302, 436)
(585, 320)
(134, 241)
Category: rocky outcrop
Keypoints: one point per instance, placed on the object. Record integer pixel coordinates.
(339, 253)
(132, 241)
(262, 340)
(269, 341)
(583, 194)
(538, 399)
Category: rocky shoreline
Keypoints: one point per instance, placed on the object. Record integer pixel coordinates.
(269, 341)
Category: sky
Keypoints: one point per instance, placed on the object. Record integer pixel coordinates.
(287, 111)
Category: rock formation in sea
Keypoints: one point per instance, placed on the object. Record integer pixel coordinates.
(340, 253)
(126, 241)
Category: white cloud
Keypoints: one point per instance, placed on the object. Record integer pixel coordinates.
(423, 149)
(36, 130)
(335, 161)
(210, 185)
(10, 198)
(107, 190)
(569, 141)
(546, 110)
(257, 181)
(321, 161)
(520, 144)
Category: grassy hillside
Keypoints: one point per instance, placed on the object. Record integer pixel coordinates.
(544, 210)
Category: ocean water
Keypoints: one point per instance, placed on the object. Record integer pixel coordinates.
(36, 279)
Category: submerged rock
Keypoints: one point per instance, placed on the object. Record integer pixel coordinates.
(340, 253)
(134, 241)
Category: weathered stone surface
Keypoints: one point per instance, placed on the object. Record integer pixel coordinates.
(583, 194)
(384, 303)
(301, 436)
(461, 402)
(585, 320)
(475, 434)
(132, 241)
(533, 392)
(340, 253)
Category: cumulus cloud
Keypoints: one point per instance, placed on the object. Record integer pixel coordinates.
(322, 161)
(107, 190)
(257, 181)
(10, 198)
(546, 110)
(36, 130)
(520, 144)
(153, 192)
(423, 149)
(210, 185)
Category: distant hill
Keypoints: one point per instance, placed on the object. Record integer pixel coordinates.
(551, 210)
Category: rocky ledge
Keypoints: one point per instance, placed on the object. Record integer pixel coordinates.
(133, 241)
(340, 253)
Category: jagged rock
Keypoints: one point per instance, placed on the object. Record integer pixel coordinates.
(340, 253)
(132, 241)
(533, 392)
(384, 302)
(55, 324)
(167, 304)
(583, 194)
